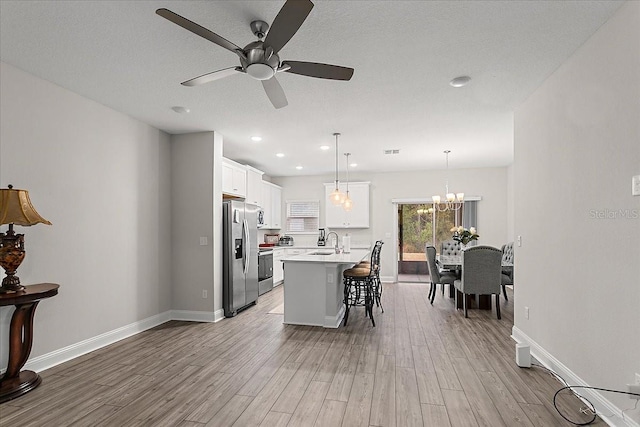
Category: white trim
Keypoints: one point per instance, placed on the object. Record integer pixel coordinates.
(193, 316)
(424, 200)
(388, 279)
(334, 321)
(72, 351)
(218, 315)
(603, 406)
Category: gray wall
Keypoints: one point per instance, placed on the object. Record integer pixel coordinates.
(577, 145)
(102, 179)
(489, 183)
(192, 218)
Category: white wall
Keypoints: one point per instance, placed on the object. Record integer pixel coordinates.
(577, 145)
(489, 183)
(102, 179)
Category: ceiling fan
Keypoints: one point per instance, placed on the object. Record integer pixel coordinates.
(260, 59)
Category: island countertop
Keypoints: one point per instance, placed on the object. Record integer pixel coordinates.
(327, 255)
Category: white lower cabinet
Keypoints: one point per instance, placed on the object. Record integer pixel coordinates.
(278, 266)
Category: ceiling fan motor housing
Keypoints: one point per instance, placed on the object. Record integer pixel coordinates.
(260, 63)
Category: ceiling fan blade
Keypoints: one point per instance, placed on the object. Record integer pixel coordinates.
(197, 29)
(209, 77)
(287, 23)
(275, 93)
(321, 71)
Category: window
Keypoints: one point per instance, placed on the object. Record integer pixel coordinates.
(303, 216)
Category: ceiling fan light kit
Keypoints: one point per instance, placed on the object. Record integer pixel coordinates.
(260, 59)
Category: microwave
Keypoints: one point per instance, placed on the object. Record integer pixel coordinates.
(260, 218)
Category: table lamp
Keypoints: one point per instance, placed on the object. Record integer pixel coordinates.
(15, 208)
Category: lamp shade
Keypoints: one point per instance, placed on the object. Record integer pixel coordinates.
(16, 208)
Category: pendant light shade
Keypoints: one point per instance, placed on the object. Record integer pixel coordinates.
(337, 197)
(347, 204)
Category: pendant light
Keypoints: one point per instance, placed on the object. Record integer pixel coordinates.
(452, 201)
(348, 203)
(337, 197)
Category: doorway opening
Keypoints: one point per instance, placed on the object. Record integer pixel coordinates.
(418, 225)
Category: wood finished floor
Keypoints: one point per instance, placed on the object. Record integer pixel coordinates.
(421, 365)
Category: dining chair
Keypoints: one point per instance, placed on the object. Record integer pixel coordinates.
(507, 272)
(481, 271)
(450, 248)
(435, 275)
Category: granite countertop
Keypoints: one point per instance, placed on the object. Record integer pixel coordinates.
(328, 256)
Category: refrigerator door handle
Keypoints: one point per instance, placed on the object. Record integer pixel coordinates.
(245, 245)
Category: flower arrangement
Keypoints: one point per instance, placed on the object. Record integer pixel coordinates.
(464, 236)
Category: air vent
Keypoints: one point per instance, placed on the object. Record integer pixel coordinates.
(391, 151)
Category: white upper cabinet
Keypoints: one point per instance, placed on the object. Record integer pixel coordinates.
(254, 186)
(337, 217)
(272, 205)
(234, 178)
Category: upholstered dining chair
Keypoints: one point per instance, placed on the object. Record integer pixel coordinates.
(481, 271)
(507, 272)
(450, 248)
(435, 275)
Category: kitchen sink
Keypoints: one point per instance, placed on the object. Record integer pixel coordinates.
(322, 253)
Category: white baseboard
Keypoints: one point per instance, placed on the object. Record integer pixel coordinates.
(609, 412)
(387, 279)
(72, 351)
(334, 321)
(62, 355)
(193, 316)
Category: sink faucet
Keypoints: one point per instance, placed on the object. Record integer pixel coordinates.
(337, 248)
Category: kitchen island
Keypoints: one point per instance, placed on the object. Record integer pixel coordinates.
(313, 290)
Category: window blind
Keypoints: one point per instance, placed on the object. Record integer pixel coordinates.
(303, 216)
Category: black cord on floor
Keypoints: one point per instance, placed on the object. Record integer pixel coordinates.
(572, 387)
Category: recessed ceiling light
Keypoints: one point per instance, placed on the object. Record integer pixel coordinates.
(180, 110)
(460, 81)
(324, 147)
(353, 165)
(256, 138)
(280, 155)
(298, 167)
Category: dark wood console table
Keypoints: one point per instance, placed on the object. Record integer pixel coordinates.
(15, 383)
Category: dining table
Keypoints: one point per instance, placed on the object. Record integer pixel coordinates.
(454, 263)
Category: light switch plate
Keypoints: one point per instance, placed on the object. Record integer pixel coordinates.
(635, 185)
(204, 241)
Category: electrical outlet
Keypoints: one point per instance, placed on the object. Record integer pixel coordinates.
(204, 241)
(204, 293)
(519, 241)
(635, 185)
(526, 312)
(330, 278)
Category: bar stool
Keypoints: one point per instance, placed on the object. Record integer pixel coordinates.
(358, 291)
(362, 285)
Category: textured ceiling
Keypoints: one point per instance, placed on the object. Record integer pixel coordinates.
(121, 54)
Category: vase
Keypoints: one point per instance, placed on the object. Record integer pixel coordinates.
(463, 246)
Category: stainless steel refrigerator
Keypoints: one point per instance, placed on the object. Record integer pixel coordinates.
(240, 256)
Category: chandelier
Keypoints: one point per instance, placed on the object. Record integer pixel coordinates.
(451, 201)
(337, 197)
(347, 204)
